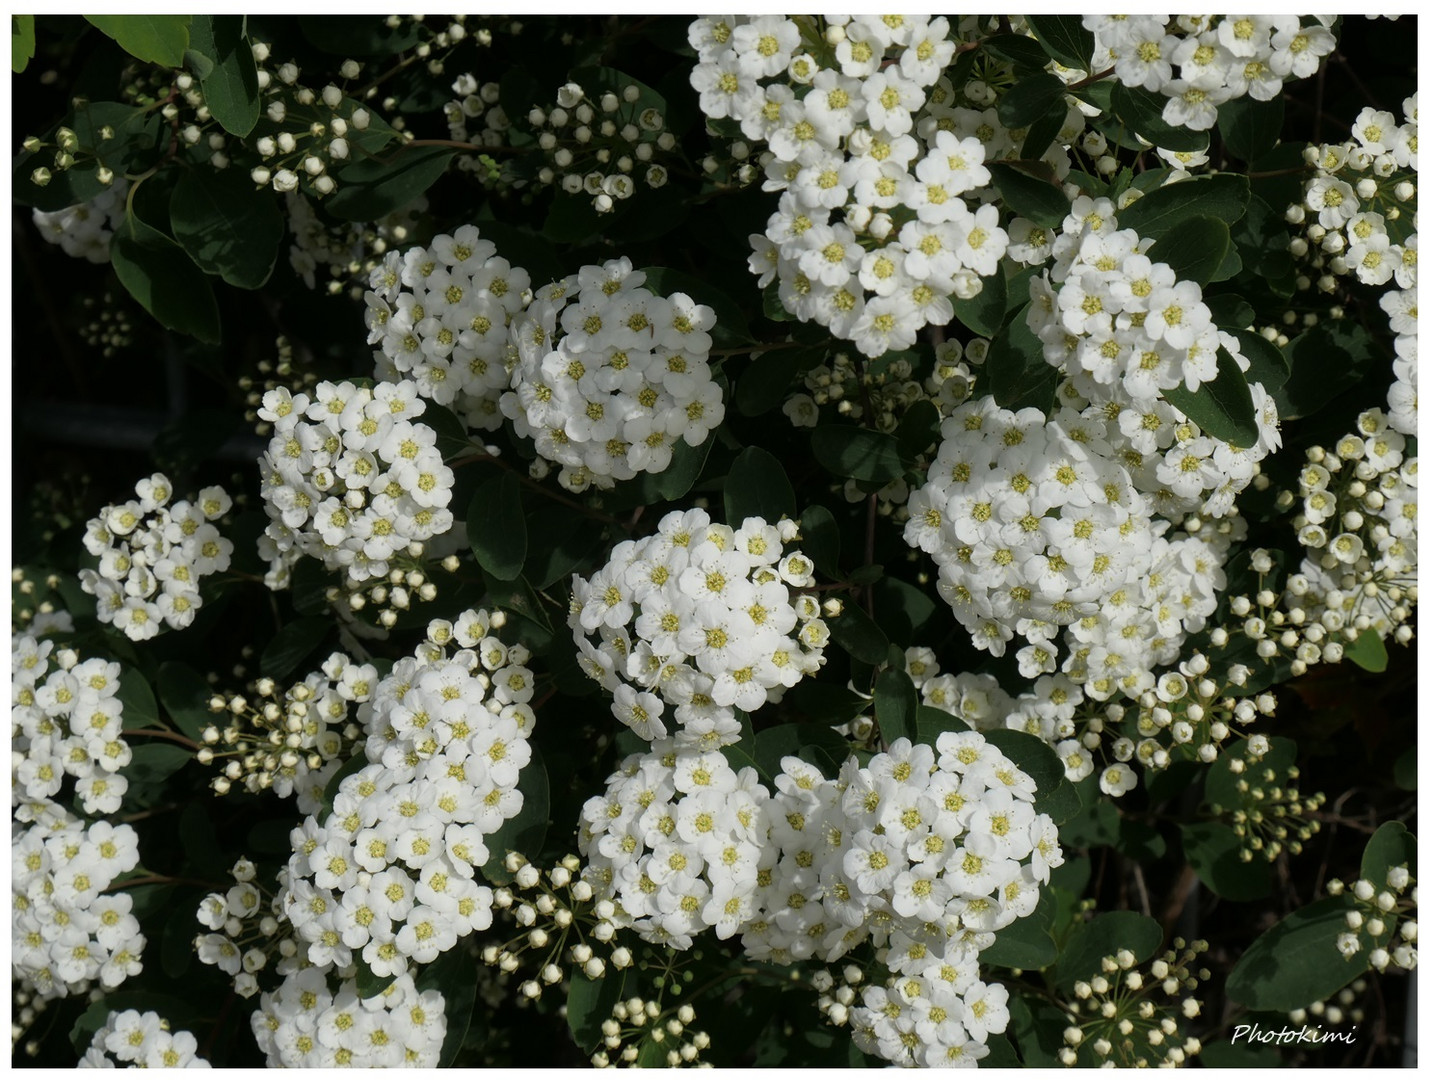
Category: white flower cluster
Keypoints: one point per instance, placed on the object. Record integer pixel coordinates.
(144, 1041)
(476, 100)
(84, 231)
(843, 152)
(674, 845)
(1199, 62)
(153, 556)
(699, 616)
(347, 250)
(390, 872)
(1377, 912)
(610, 375)
(890, 386)
(1363, 202)
(350, 478)
(65, 720)
(440, 317)
(305, 1025)
(1035, 525)
(231, 917)
(1360, 522)
(66, 933)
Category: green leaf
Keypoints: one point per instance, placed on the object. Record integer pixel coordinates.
(133, 139)
(919, 431)
(1103, 936)
(1043, 131)
(1018, 49)
(825, 703)
(227, 225)
(1029, 100)
(1324, 362)
(1194, 248)
(1055, 795)
(1068, 42)
(293, 644)
(1391, 845)
(525, 832)
(1142, 110)
(1368, 651)
(455, 976)
(231, 85)
(1223, 197)
(1025, 943)
(757, 486)
(767, 380)
(22, 42)
(821, 542)
(1222, 407)
(155, 39)
(154, 762)
(368, 190)
(931, 722)
(730, 329)
(902, 610)
(1295, 962)
(1268, 365)
(366, 983)
(185, 696)
(854, 631)
(857, 453)
(590, 1003)
(137, 700)
(1017, 368)
(1230, 312)
(1406, 770)
(815, 743)
(1251, 127)
(497, 531)
(896, 706)
(1213, 852)
(742, 754)
(683, 470)
(355, 764)
(1030, 190)
(157, 273)
(983, 313)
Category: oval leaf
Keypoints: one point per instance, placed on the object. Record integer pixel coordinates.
(857, 453)
(497, 531)
(1194, 249)
(231, 84)
(757, 486)
(367, 190)
(227, 225)
(156, 39)
(1222, 407)
(156, 272)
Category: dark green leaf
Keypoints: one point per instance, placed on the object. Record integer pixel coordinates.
(1097, 824)
(525, 832)
(1030, 190)
(1229, 311)
(178, 1011)
(1251, 127)
(919, 430)
(590, 1003)
(767, 380)
(1194, 248)
(1018, 49)
(730, 329)
(1213, 852)
(1223, 197)
(1139, 841)
(157, 273)
(137, 700)
(370, 189)
(359, 35)
(368, 984)
(22, 42)
(133, 139)
(185, 696)
(982, 314)
(176, 946)
(1222, 785)
(1055, 795)
(1043, 131)
(497, 531)
(1268, 365)
(824, 702)
(1017, 368)
(1368, 651)
(231, 83)
(931, 722)
(1324, 362)
(293, 644)
(153, 762)
(1025, 943)
(902, 609)
(1295, 962)
(155, 39)
(895, 706)
(1029, 100)
(1142, 110)
(1069, 43)
(742, 754)
(815, 743)
(1103, 936)
(227, 226)
(455, 976)
(857, 453)
(355, 764)
(854, 631)
(1002, 1054)
(683, 470)
(757, 486)
(1391, 845)
(1222, 407)
(1406, 770)
(821, 542)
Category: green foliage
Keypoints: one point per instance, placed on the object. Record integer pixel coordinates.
(525, 831)
(895, 706)
(757, 486)
(1222, 407)
(1029, 188)
(1029, 99)
(858, 453)
(293, 644)
(1062, 36)
(185, 696)
(371, 188)
(156, 39)
(227, 226)
(1251, 127)
(1141, 111)
(22, 42)
(1295, 963)
(497, 530)
(1194, 248)
(157, 273)
(1368, 651)
(230, 80)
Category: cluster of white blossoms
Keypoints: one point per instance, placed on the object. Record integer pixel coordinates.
(305, 1025)
(1360, 523)
(610, 375)
(389, 874)
(345, 251)
(350, 478)
(66, 933)
(1378, 911)
(1199, 62)
(701, 617)
(143, 1041)
(881, 220)
(675, 845)
(239, 920)
(926, 853)
(84, 231)
(65, 720)
(440, 317)
(1361, 209)
(153, 556)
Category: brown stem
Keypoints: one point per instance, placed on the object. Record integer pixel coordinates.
(155, 733)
